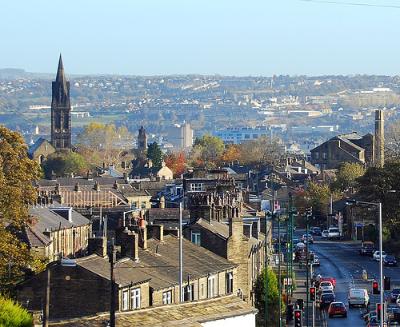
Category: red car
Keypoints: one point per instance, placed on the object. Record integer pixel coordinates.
(329, 279)
(337, 309)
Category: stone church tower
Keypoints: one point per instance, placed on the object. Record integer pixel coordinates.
(142, 141)
(60, 111)
(379, 139)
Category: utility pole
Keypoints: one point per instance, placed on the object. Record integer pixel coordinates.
(308, 214)
(47, 299)
(279, 271)
(112, 286)
(180, 254)
(291, 240)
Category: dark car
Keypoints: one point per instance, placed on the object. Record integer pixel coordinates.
(367, 248)
(326, 299)
(316, 231)
(390, 260)
(394, 294)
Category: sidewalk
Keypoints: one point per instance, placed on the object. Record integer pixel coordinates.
(301, 293)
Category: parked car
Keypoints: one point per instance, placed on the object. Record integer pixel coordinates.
(394, 294)
(325, 233)
(390, 260)
(325, 286)
(333, 232)
(367, 248)
(308, 237)
(326, 299)
(337, 309)
(358, 296)
(376, 255)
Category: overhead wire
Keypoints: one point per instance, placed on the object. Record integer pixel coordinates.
(359, 4)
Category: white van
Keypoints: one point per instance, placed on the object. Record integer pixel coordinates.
(333, 232)
(358, 296)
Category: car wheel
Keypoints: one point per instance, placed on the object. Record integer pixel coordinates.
(345, 315)
(350, 306)
(330, 316)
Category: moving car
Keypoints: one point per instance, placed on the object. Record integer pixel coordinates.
(326, 299)
(367, 248)
(325, 233)
(329, 279)
(333, 232)
(390, 260)
(325, 286)
(358, 296)
(337, 309)
(394, 294)
(316, 231)
(376, 255)
(308, 237)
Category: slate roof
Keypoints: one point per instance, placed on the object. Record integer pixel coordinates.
(46, 218)
(123, 275)
(34, 237)
(189, 314)
(159, 264)
(32, 149)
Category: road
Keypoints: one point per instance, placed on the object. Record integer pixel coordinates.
(342, 261)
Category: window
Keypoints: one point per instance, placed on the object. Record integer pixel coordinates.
(211, 286)
(143, 205)
(316, 154)
(167, 297)
(188, 294)
(196, 238)
(324, 155)
(125, 300)
(196, 187)
(247, 136)
(229, 282)
(135, 298)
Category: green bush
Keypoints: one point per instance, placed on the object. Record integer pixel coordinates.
(13, 315)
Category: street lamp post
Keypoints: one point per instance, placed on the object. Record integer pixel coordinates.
(381, 293)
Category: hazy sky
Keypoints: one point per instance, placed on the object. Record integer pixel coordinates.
(229, 37)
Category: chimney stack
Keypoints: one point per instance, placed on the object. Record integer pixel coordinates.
(379, 139)
(97, 245)
(162, 202)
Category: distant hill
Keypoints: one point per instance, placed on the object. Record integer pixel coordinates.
(15, 73)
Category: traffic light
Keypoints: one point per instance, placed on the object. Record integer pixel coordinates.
(380, 307)
(375, 287)
(298, 318)
(312, 293)
(289, 312)
(386, 283)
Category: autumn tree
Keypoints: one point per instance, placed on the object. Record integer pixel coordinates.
(347, 176)
(100, 143)
(261, 151)
(231, 153)
(207, 150)
(176, 162)
(65, 163)
(17, 174)
(392, 140)
(155, 154)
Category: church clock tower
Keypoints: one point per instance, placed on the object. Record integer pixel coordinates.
(60, 111)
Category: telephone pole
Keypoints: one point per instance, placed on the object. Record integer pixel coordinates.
(112, 284)
(47, 299)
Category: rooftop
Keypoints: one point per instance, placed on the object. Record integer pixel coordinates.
(190, 314)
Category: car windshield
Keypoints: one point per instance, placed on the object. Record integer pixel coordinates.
(338, 305)
(356, 293)
(334, 230)
(389, 257)
(396, 291)
(326, 284)
(328, 296)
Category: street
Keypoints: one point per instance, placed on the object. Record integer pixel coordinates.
(342, 261)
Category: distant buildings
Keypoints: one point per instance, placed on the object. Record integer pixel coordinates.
(367, 150)
(180, 136)
(241, 134)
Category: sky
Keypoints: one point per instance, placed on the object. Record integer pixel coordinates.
(227, 37)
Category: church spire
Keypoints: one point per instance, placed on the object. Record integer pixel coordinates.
(60, 70)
